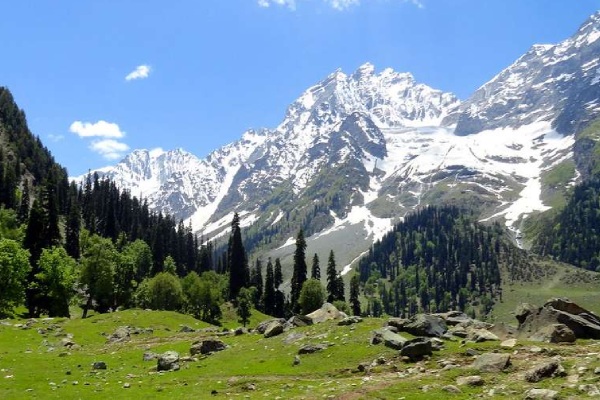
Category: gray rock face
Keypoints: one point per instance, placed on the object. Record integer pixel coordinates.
(168, 361)
(417, 348)
(207, 346)
(542, 371)
(491, 362)
(425, 325)
(327, 312)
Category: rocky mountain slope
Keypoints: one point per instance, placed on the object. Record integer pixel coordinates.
(355, 152)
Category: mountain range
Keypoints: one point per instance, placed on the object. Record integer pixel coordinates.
(356, 152)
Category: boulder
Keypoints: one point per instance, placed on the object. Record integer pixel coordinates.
(274, 328)
(584, 325)
(262, 327)
(299, 320)
(453, 318)
(566, 305)
(207, 346)
(168, 361)
(491, 362)
(543, 394)
(311, 348)
(483, 335)
(186, 329)
(539, 372)
(417, 348)
(555, 333)
(240, 331)
(509, 343)
(327, 312)
(425, 325)
(397, 323)
(388, 338)
(121, 334)
(473, 380)
(523, 311)
(350, 320)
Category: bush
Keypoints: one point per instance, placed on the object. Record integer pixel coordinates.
(312, 296)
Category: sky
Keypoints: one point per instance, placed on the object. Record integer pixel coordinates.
(100, 78)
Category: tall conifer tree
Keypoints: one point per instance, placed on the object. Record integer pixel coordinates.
(315, 271)
(300, 270)
(236, 259)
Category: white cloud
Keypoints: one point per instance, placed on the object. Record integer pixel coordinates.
(291, 4)
(55, 138)
(335, 4)
(98, 129)
(109, 148)
(140, 72)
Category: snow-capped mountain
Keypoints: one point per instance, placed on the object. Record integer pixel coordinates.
(355, 152)
(557, 83)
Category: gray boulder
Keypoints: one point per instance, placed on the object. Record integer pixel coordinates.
(262, 327)
(299, 320)
(417, 348)
(388, 338)
(327, 312)
(523, 311)
(543, 394)
(483, 335)
(311, 348)
(473, 380)
(584, 325)
(350, 320)
(555, 333)
(545, 370)
(274, 328)
(397, 323)
(149, 356)
(121, 334)
(99, 365)
(425, 325)
(207, 346)
(168, 361)
(491, 362)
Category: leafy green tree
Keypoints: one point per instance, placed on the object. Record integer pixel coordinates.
(312, 296)
(165, 292)
(355, 294)
(141, 255)
(170, 266)
(56, 280)
(236, 259)
(244, 305)
(125, 279)
(203, 295)
(97, 273)
(315, 270)
(14, 269)
(299, 274)
(9, 225)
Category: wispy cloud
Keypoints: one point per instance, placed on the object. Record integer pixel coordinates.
(140, 72)
(105, 135)
(55, 138)
(335, 4)
(96, 129)
(109, 148)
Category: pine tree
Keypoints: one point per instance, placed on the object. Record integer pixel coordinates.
(256, 280)
(279, 303)
(354, 294)
(25, 203)
(269, 292)
(332, 279)
(300, 270)
(73, 225)
(315, 271)
(236, 259)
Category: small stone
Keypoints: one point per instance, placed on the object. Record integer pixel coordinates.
(99, 365)
(296, 360)
(597, 371)
(126, 385)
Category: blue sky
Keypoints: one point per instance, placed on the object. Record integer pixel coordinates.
(100, 78)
